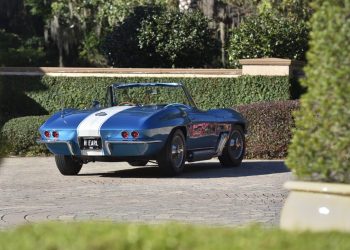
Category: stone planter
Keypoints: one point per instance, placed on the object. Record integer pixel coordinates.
(316, 206)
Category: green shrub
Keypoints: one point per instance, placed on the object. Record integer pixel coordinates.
(153, 36)
(320, 148)
(19, 136)
(179, 39)
(16, 51)
(121, 46)
(95, 235)
(269, 128)
(268, 35)
(44, 95)
(2, 114)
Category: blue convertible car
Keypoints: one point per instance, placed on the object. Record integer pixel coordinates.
(143, 122)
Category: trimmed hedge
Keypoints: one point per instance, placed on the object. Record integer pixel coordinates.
(44, 95)
(20, 135)
(170, 236)
(269, 128)
(269, 131)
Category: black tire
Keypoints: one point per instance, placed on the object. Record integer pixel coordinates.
(234, 150)
(67, 165)
(172, 158)
(138, 163)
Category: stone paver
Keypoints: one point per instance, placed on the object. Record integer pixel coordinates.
(32, 190)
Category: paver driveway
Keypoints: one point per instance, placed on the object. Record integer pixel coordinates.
(33, 190)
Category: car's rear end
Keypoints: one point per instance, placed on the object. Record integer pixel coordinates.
(121, 131)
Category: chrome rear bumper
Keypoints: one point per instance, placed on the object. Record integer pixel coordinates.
(106, 143)
(109, 143)
(68, 143)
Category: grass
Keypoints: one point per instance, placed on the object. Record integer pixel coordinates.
(99, 235)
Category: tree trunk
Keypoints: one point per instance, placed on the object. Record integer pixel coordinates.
(223, 43)
(56, 33)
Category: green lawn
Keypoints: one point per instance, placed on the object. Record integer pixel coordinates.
(92, 235)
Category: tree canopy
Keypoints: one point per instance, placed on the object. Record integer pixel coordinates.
(72, 32)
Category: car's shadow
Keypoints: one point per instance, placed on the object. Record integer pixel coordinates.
(201, 170)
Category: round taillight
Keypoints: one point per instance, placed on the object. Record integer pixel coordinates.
(55, 134)
(47, 134)
(125, 134)
(135, 134)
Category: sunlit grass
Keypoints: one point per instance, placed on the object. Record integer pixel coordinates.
(99, 235)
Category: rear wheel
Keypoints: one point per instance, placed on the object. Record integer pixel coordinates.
(67, 165)
(172, 158)
(233, 153)
(138, 163)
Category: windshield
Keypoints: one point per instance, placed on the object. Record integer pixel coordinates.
(142, 95)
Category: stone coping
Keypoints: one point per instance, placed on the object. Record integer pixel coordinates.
(255, 66)
(271, 61)
(318, 187)
(162, 72)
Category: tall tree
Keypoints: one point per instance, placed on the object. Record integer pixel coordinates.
(77, 26)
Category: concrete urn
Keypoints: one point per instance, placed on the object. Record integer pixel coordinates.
(316, 206)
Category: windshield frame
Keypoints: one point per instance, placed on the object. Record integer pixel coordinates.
(135, 85)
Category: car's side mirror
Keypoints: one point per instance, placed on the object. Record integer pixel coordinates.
(96, 104)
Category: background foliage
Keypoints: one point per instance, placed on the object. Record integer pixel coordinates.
(14, 51)
(33, 97)
(320, 148)
(269, 127)
(71, 32)
(155, 37)
(268, 35)
(20, 135)
(121, 46)
(45, 95)
(179, 39)
(299, 10)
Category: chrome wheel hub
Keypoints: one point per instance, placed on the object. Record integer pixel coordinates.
(177, 151)
(236, 145)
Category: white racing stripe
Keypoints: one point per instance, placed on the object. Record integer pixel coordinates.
(92, 124)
